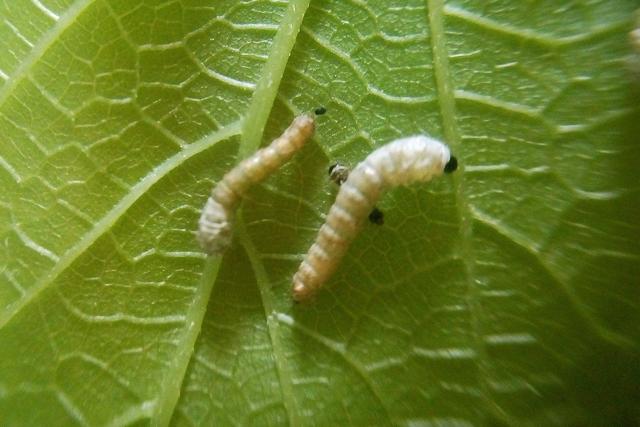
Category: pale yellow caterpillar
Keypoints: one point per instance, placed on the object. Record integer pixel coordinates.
(215, 227)
(401, 162)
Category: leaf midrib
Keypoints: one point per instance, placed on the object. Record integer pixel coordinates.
(446, 101)
(252, 133)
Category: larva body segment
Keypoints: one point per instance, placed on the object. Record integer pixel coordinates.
(339, 173)
(215, 227)
(401, 162)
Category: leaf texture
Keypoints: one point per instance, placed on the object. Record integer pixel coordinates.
(506, 294)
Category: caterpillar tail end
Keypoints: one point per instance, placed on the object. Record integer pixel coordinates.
(300, 291)
(215, 228)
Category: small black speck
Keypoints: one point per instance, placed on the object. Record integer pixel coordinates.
(376, 216)
(320, 111)
(332, 167)
(451, 165)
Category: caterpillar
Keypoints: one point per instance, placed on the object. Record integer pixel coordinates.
(215, 227)
(339, 173)
(401, 162)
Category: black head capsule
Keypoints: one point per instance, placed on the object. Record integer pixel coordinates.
(338, 173)
(451, 165)
(320, 111)
(376, 216)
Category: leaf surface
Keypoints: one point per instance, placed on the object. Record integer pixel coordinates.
(505, 294)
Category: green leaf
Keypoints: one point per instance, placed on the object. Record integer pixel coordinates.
(505, 294)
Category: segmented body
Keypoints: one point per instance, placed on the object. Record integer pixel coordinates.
(339, 173)
(215, 229)
(401, 162)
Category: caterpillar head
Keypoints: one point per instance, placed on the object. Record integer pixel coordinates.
(451, 165)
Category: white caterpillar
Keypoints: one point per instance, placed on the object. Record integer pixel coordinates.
(401, 162)
(216, 222)
(339, 173)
